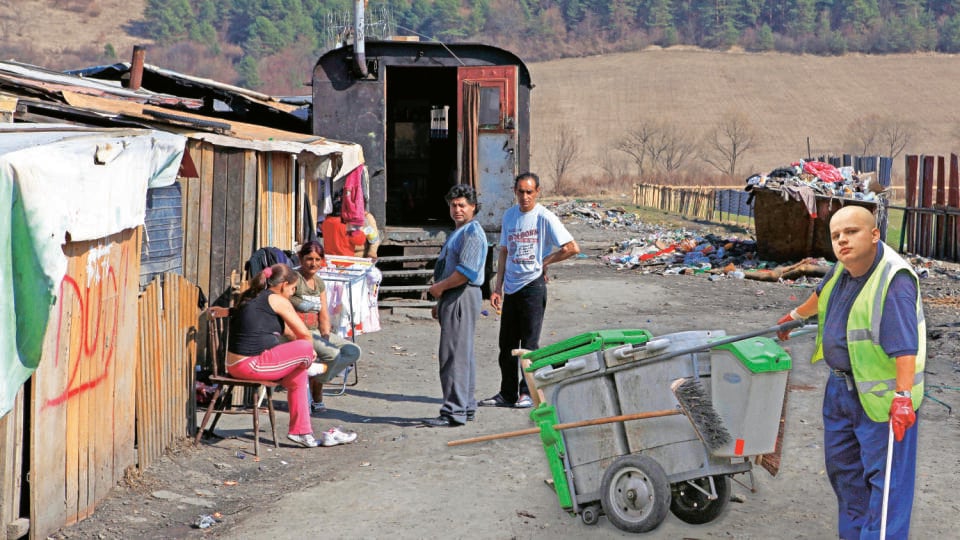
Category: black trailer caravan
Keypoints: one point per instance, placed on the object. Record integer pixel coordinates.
(428, 115)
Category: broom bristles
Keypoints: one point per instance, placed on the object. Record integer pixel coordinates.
(694, 402)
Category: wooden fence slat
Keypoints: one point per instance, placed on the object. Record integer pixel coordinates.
(11, 462)
(249, 239)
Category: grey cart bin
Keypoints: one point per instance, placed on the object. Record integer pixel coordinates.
(621, 372)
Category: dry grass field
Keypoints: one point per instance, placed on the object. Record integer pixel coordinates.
(787, 97)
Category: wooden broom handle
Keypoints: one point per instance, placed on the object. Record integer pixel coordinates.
(568, 425)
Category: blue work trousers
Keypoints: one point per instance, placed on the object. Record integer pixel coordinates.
(855, 452)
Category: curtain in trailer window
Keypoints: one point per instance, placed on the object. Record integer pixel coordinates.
(471, 126)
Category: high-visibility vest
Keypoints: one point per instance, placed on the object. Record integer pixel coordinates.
(875, 373)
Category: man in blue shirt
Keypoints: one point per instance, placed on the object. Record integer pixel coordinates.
(531, 238)
(456, 286)
(873, 337)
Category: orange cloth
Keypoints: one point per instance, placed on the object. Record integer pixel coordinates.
(336, 239)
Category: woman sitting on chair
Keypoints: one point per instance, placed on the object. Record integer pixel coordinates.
(310, 300)
(257, 351)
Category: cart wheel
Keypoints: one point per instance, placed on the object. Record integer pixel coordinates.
(693, 506)
(635, 493)
(591, 514)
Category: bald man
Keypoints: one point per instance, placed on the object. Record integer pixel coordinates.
(872, 334)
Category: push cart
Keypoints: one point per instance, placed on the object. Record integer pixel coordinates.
(634, 471)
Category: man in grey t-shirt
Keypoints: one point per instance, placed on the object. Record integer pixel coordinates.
(531, 238)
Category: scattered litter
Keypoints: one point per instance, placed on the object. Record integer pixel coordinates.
(364, 463)
(205, 521)
(485, 313)
(282, 462)
(241, 455)
(229, 482)
(737, 498)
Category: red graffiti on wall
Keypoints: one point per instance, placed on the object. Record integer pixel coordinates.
(93, 337)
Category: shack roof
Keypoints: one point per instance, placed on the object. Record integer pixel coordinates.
(50, 97)
(218, 98)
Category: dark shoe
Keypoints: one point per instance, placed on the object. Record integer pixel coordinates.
(495, 401)
(471, 416)
(441, 421)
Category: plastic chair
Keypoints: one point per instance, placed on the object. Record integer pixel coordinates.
(218, 325)
(336, 370)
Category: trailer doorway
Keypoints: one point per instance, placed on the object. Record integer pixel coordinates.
(421, 144)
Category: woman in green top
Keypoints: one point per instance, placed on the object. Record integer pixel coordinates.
(310, 299)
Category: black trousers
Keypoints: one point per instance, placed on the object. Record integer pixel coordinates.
(520, 324)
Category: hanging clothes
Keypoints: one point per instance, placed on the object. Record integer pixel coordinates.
(353, 208)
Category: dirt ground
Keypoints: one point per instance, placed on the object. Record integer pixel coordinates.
(402, 480)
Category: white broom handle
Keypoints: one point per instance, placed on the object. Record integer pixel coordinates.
(886, 484)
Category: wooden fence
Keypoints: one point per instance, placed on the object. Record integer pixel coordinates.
(691, 202)
(113, 389)
(81, 397)
(168, 339)
(931, 215)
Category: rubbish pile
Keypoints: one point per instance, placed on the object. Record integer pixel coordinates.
(665, 250)
(805, 180)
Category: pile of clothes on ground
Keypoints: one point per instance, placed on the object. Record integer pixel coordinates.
(805, 180)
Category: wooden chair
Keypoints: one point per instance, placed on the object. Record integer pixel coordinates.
(218, 326)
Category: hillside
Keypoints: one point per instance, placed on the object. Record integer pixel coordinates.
(57, 32)
(788, 97)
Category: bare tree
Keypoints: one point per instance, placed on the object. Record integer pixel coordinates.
(875, 134)
(672, 147)
(564, 154)
(636, 143)
(895, 134)
(613, 167)
(726, 144)
(865, 134)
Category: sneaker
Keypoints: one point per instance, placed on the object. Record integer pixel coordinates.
(315, 369)
(334, 436)
(306, 440)
(525, 402)
(318, 407)
(495, 401)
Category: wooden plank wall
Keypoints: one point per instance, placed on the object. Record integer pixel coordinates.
(11, 470)
(166, 407)
(277, 189)
(931, 218)
(219, 217)
(692, 202)
(82, 405)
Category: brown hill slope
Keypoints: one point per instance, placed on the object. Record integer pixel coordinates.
(53, 33)
(787, 97)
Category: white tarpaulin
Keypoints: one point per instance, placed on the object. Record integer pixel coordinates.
(59, 184)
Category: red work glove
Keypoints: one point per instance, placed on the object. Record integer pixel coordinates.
(784, 335)
(901, 416)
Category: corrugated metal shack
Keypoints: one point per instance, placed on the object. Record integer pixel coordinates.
(240, 186)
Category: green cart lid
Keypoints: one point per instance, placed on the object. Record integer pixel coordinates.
(583, 344)
(759, 354)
